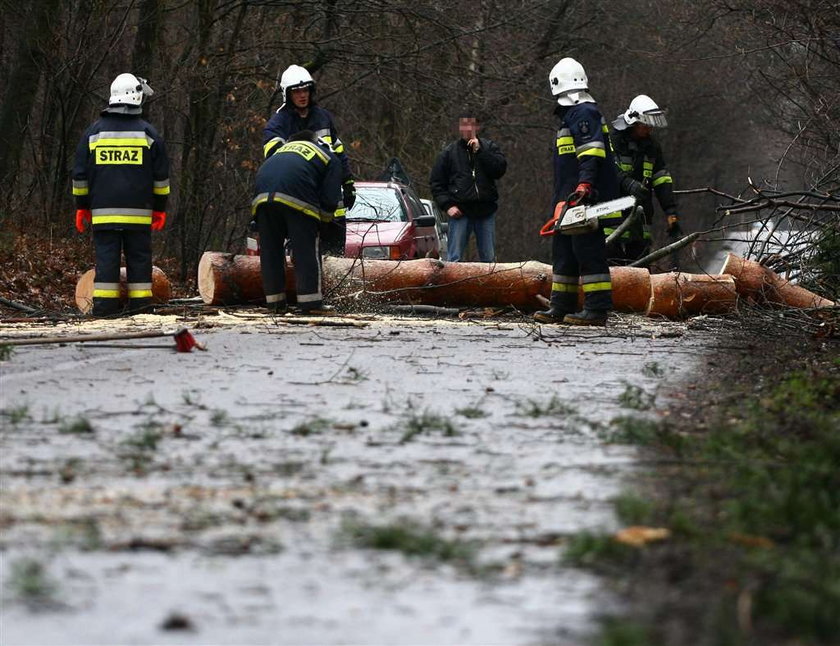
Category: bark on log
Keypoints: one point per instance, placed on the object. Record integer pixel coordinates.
(677, 295)
(762, 285)
(161, 288)
(227, 279)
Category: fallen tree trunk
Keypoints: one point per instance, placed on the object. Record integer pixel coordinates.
(225, 279)
(762, 285)
(161, 288)
(677, 295)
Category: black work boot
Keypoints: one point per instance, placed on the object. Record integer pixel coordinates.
(587, 317)
(553, 314)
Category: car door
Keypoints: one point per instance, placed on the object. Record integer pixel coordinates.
(425, 238)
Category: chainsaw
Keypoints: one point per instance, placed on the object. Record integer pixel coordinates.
(573, 220)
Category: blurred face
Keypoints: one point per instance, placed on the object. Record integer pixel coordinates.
(641, 131)
(300, 97)
(468, 127)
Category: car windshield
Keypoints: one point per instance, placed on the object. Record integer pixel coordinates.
(380, 203)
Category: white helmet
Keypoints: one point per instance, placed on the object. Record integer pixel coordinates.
(128, 89)
(644, 110)
(295, 77)
(568, 83)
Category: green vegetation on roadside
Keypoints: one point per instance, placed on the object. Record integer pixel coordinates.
(411, 539)
(751, 496)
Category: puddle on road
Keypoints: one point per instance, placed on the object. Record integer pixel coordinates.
(216, 487)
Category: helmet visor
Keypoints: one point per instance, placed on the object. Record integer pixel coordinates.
(144, 87)
(654, 119)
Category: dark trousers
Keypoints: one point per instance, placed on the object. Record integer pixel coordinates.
(110, 244)
(580, 259)
(278, 223)
(333, 237)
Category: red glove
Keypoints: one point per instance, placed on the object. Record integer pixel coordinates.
(82, 216)
(158, 220)
(582, 191)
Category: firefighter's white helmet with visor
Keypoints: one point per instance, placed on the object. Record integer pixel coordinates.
(295, 77)
(128, 89)
(644, 110)
(568, 82)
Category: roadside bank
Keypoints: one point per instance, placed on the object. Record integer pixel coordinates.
(738, 537)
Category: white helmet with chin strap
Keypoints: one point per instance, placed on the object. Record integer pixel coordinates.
(295, 77)
(568, 83)
(644, 110)
(128, 89)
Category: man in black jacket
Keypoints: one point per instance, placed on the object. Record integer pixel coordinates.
(463, 183)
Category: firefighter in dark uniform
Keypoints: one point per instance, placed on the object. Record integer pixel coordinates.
(121, 183)
(300, 112)
(297, 188)
(584, 173)
(642, 172)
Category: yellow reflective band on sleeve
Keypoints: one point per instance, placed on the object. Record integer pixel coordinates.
(594, 152)
(106, 293)
(121, 219)
(140, 293)
(665, 179)
(565, 145)
(564, 287)
(340, 213)
(596, 287)
(80, 191)
(626, 167)
(647, 165)
(163, 190)
(270, 144)
(338, 148)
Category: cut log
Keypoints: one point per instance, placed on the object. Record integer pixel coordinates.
(677, 295)
(161, 288)
(432, 282)
(227, 279)
(762, 285)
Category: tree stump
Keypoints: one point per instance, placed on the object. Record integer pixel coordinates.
(161, 288)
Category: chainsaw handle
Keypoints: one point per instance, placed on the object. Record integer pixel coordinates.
(550, 227)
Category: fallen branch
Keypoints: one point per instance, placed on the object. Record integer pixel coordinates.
(184, 341)
(664, 251)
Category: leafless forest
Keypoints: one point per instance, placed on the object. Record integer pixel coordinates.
(752, 89)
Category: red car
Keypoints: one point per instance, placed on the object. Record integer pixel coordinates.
(387, 222)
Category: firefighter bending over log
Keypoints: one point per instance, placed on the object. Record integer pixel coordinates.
(120, 184)
(297, 189)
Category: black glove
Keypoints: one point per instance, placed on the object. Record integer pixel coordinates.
(348, 190)
(638, 190)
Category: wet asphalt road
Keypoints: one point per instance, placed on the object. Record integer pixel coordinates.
(208, 498)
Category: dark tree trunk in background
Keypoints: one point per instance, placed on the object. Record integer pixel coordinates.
(20, 92)
(146, 42)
